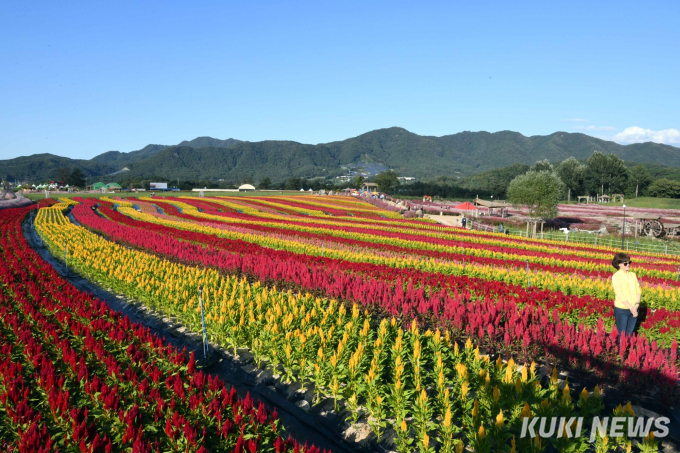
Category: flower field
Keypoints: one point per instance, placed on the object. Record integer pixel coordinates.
(402, 323)
(76, 376)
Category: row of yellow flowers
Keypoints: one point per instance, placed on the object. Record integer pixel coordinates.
(120, 202)
(485, 239)
(67, 201)
(422, 385)
(653, 296)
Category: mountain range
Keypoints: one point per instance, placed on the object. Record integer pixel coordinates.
(409, 154)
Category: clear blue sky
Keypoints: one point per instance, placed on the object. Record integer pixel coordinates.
(81, 78)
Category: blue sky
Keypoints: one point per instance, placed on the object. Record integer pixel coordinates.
(81, 78)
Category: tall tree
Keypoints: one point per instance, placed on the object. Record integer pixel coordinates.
(76, 178)
(571, 174)
(265, 183)
(540, 191)
(605, 172)
(62, 174)
(387, 181)
(358, 182)
(639, 176)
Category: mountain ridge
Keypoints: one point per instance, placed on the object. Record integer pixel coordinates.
(409, 154)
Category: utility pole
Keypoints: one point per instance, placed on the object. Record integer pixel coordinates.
(623, 229)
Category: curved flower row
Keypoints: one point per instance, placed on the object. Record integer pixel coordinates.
(421, 385)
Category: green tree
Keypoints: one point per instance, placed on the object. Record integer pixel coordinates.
(639, 176)
(664, 188)
(571, 174)
(62, 174)
(605, 172)
(265, 184)
(76, 178)
(293, 184)
(540, 191)
(358, 182)
(387, 181)
(542, 165)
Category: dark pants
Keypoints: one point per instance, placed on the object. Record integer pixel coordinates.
(625, 322)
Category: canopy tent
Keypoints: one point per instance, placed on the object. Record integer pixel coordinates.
(467, 206)
(113, 185)
(98, 185)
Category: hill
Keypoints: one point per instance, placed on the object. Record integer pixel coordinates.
(409, 154)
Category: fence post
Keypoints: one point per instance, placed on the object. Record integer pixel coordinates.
(205, 334)
(528, 280)
(595, 240)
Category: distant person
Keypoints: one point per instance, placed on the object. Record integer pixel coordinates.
(153, 194)
(500, 227)
(627, 295)
(464, 222)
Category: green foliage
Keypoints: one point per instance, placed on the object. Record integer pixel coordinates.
(439, 189)
(387, 181)
(493, 182)
(540, 191)
(664, 188)
(605, 173)
(75, 178)
(295, 184)
(639, 177)
(265, 184)
(571, 173)
(358, 182)
(543, 165)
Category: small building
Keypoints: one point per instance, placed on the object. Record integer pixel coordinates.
(492, 206)
(246, 188)
(603, 198)
(113, 187)
(369, 187)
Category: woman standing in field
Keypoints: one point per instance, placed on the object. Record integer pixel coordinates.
(627, 295)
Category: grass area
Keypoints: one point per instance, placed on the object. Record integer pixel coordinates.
(257, 193)
(630, 243)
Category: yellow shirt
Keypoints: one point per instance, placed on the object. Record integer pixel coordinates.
(626, 287)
